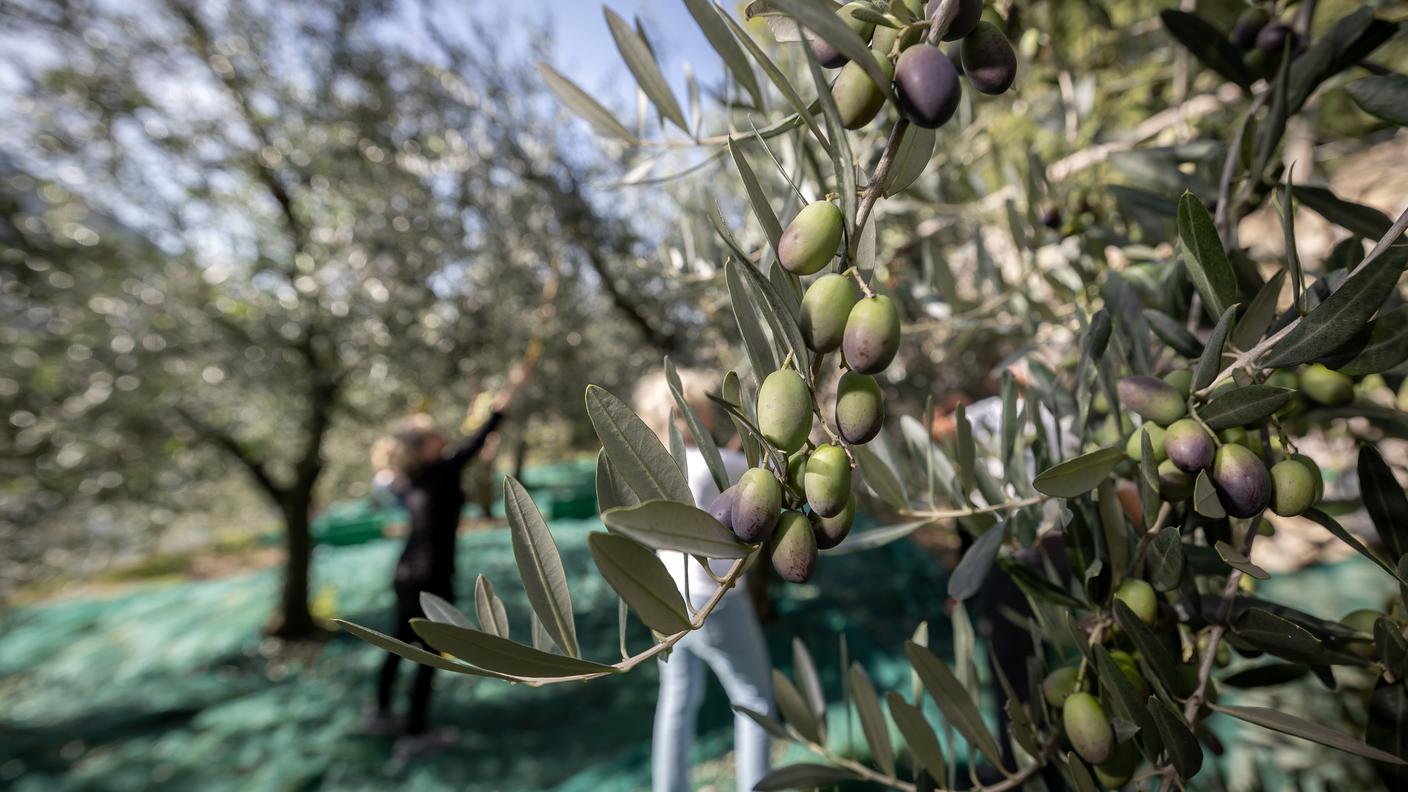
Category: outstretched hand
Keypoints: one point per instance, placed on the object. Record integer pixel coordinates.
(519, 376)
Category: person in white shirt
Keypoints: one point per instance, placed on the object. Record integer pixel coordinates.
(730, 644)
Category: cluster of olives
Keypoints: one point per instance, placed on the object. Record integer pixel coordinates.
(1082, 714)
(925, 79)
(1183, 447)
(763, 508)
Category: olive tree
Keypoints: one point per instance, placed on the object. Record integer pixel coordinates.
(235, 232)
(1120, 488)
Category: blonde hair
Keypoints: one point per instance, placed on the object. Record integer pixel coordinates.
(654, 402)
(400, 452)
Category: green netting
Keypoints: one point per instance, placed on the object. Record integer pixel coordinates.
(166, 687)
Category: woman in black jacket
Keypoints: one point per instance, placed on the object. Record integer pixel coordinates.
(427, 481)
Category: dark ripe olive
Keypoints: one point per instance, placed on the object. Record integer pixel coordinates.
(927, 86)
(967, 17)
(988, 60)
(1243, 485)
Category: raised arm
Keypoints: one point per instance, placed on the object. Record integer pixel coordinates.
(472, 445)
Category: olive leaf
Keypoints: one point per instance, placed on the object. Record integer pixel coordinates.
(1151, 650)
(804, 112)
(502, 655)
(976, 563)
(703, 439)
(1172, 332)
(1204, 257)
(493, 618)
(1238, 560)
(636, 454)
(794, 707)
(1261, 310)
(824, 22)
(953, 700)
(911, 158)
(581, 103)
(917, 734)
(413, 653)
(1306, 730)
(669, 525)
(1335, 320)
(1385, 96)
(809, 682)
(723, 42)
(437, 609)
(1210, 362)
(1361, 220)
(1244, 405)
(1379, 347)
(1124, 701)
(1182, 746)
(757, 196)
(1165, 560)
(641, 580)
(842, 159)
(611, 492)
(641, 61)
(761, 352)
(1351, 40)
(880, 476)
(540, 566)
(1080, 475)
(872, 719)
(1384, 499)
(1208, 44)
(804, 775)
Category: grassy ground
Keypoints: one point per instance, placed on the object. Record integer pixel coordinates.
(169, 685)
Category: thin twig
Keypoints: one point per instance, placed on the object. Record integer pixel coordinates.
(944, 514)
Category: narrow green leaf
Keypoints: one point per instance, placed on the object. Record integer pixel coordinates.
(437, 609)
(1381, 346)
(1288, 230)
(1165, 560)
(493, 617)
(703, 439)
(669, 525)
(1350, 539)
(809, 682)
(1182, 746)
(974, 566)
(953, 700)
(502, 655)
(757, 196)
(1384, 499)
(1361, 220)
(1306, 730)
(842, 159)
(1124, 701)
(1210, 362)
(1259, 314)
(412, 652)
(1075, 477)
(1336, 319)
(641, 61)
(1352, 39)
(1172, 332)
(1245, 405)
(776, 76)
(1205, 500)
(1203, 255)
(872, 720)
(540, 566)
(1237, 560)
(587, 108)
(794, 708)
(876, 537)
(1387, 729)
(911, 159)
(1265, 675)
(611, 492)
(917, 734)
(1385, 96)
(804, 776)
(1208, 44)
(880, 477)
(769, 724)
(756, 343)
(636, 454)
(727, 47)
(1080, 776)
(1151, 650)
(643, 583)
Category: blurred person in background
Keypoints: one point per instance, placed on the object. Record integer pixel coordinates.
(413, 464)
(730, 643)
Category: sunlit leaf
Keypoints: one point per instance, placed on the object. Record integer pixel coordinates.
(1075, 477)
(437, 609)
(953, 700)
(540, 566)
(493, 618)
(637, 455)
(1244, 405)
(669, 525)
(641, 61)
(1203, 255)
(502, 655)
(1306, 730)
(872, 719)
(723, 42)
(641, 580)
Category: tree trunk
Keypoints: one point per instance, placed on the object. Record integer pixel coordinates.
(293, 620)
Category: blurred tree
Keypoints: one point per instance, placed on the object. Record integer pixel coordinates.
(254, 222)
